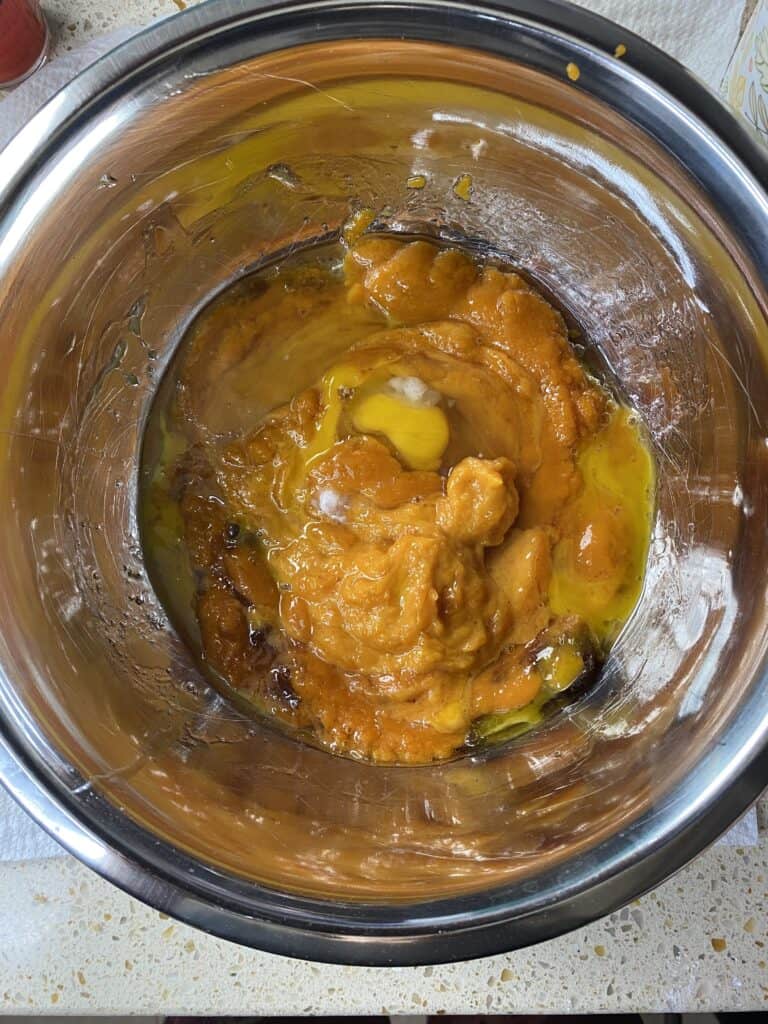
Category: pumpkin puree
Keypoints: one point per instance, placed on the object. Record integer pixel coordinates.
(409, 511)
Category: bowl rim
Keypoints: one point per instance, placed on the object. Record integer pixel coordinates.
(731, 776)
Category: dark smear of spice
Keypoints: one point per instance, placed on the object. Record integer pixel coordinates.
(257, 637)
(280, 678)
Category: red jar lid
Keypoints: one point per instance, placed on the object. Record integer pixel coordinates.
(23, 39)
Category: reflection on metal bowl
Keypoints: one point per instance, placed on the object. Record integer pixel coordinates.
(200, 149)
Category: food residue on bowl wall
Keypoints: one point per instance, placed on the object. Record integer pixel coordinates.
(462, 187)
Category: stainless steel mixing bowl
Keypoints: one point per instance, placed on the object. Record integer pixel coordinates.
(233, 132)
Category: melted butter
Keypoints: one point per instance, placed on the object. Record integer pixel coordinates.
(560, 666)
(557, 667)
(600, 563)
(333, 386)
(512, 722)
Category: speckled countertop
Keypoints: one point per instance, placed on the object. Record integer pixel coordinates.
(72, 943)
(74, 22)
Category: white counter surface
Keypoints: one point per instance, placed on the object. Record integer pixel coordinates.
(72, 943)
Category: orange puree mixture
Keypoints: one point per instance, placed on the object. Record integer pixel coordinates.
(411, 516)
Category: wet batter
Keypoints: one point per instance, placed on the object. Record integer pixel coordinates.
(412, 518)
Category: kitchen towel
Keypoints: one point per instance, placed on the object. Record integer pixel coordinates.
(745, 85)
(702, 34)
(21, 838)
